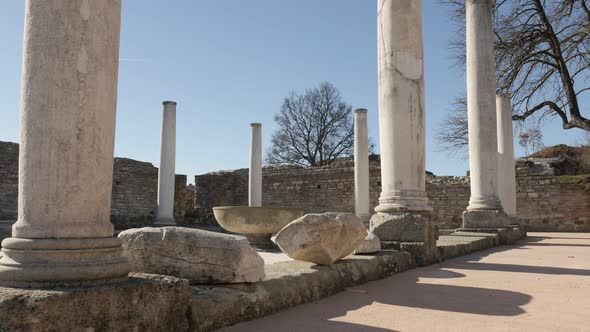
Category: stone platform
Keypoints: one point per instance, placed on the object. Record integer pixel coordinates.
(142, 303)
(290, 283)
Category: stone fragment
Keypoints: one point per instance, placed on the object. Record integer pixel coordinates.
(369, 245)
(196, 255)
(321, 238)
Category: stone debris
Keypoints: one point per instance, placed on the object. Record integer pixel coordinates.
(370, 245)
(197, 255)
(321, 238)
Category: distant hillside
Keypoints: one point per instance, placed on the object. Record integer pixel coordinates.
(578, 158)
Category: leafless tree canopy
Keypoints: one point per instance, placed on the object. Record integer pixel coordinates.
(542, 50)
(315, 128)
(452, 134)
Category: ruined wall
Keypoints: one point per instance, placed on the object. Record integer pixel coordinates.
(549, 202)
(545, 200)
(8, 180)
(134, 198)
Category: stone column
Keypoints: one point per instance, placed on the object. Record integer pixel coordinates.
(403, 213)
(484, 208)
(63, 234)
(255, 177)
(506, 164)
(167, 172)
(361, 166)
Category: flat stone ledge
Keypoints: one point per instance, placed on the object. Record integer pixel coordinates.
(463, 243)
(287, 284)
(507, 235)
(142, 303)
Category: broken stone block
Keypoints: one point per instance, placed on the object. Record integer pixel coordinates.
(196, 255)
(369, 245)
(321, 238)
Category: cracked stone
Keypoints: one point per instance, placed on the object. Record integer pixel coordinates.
(197, 255)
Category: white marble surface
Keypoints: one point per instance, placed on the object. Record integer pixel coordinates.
(166, 171)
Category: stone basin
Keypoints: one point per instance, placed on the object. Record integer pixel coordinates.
(257, 223)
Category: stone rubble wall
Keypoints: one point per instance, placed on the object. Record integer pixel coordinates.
(545, 200)
(134, 197)
(8, 180)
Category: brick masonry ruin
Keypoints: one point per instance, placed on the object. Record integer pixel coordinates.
(546, 201)
(135, 188)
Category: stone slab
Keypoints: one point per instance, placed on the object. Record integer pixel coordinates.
(287, 284)
(142, 303)
(463, 243)
(507, 235)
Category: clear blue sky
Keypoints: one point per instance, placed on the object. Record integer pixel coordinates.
(230, 63)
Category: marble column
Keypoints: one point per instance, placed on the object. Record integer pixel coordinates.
(167, 171)
(63, 235)
(403, 213)
(361, 166)
(506, 163)
(255, 176)
(484, 208)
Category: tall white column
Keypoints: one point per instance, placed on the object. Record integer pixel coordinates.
(484, 208)
(255, 176)
(361, 166)
(506, 163)
(68, 103)
(403, 213)
(167, 172)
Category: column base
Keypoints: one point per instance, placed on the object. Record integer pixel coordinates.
(486, 219)
(404, 226)
(423, 253)
(414, 232)
(62, 262)
(164, 222)
(365, 219)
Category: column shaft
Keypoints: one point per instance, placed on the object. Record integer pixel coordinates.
(255, 176)
(68, 106)
(506, 164)
(361, 166)
(484, 210)
(404, 213)
(401, 106)
(481, 106)
(167, 172)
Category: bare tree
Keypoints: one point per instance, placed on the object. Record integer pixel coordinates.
(531, 139)
(315, 128)
(542, 51)
(452, 134)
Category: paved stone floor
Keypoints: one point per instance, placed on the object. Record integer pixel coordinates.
(540, 284)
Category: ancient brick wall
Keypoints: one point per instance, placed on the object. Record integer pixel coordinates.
(549, 202)
(545, 200)
(8, 180)
(134, 198)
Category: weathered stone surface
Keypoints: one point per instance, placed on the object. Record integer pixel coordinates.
(369, 245)
(486, 218)
(291, 283)
(200, 256)
(288, 284)
(142, 303)
(404, 227)
(321, 238)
